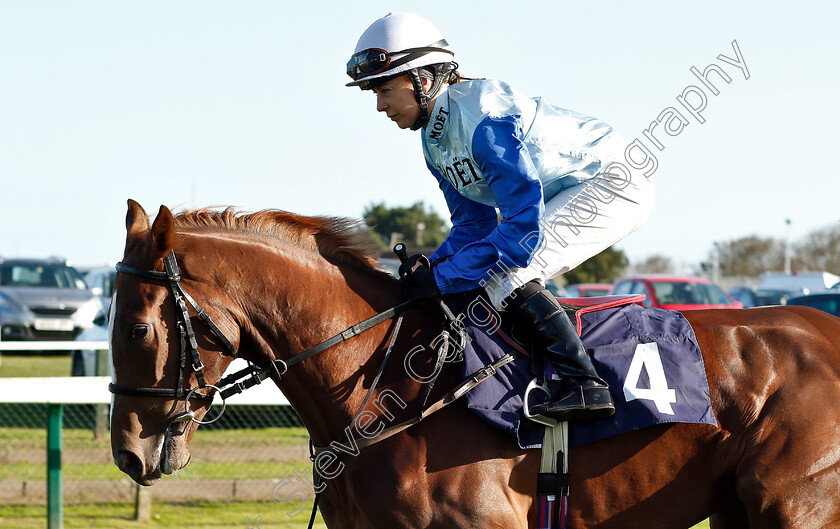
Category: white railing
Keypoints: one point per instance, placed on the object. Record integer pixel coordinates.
(100, 346)
(52, 346)
(58, 391)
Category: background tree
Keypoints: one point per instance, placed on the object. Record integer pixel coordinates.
(605, 267)
(820, 250)
(750, 256)
(655, 264)
(417, 227)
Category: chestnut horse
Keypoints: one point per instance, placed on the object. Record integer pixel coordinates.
(275, 284)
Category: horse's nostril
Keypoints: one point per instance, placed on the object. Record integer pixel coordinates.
(129, 463)
(132, 464)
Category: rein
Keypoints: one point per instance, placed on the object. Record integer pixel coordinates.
(252, 375)
(239, 381)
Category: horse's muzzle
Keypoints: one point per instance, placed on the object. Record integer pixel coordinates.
(132, 464)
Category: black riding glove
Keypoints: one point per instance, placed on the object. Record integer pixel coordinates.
(422, 284)
(408, 266)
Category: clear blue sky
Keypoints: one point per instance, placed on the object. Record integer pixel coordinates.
(193, 103)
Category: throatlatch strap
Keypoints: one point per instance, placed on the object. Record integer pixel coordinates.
(553, 482)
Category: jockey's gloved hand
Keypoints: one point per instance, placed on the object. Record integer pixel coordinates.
(407, 267)
(422, 284)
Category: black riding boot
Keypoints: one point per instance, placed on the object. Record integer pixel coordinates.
(581, 394)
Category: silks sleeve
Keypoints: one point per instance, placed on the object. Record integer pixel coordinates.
(505, 163)
(471, 221)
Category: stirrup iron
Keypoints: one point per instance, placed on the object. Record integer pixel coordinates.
(534, 384)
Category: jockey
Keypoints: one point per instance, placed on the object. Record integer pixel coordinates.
(543, 168)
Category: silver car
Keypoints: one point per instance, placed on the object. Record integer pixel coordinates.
(44, 299)
(101, 282)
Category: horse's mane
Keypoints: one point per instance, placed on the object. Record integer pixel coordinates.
(343, 239)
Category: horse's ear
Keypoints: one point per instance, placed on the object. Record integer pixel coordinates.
(136, 225)
(161, 239)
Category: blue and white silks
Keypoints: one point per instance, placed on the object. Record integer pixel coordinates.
(490, 146)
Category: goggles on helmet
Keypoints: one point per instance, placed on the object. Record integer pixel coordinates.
(374, 60)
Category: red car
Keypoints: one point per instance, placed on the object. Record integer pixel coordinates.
(587, 290)
(676, 292)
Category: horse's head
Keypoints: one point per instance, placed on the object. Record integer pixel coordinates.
(160, 352)
(258, 282)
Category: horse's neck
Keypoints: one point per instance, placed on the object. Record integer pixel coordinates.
(300, 304)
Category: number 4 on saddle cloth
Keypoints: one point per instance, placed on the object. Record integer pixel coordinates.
(649, 357)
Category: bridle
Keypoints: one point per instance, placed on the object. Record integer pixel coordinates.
(188, 344)
(241, 380)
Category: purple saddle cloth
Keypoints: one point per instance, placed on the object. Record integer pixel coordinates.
(649, 357)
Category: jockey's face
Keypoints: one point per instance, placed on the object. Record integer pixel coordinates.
(396, 99)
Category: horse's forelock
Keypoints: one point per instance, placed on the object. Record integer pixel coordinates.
(347, 240)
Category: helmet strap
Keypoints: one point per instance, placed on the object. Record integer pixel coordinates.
(441, 75)
(422, 98)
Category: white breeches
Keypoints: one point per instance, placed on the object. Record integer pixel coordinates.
(579, 222)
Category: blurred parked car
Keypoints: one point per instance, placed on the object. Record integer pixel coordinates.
(809, 282)
(44, 299)
(83, 362)
(101, 282)
(588, 290)
(828, 302)
(676, 292)
(556, 290)
(750, 296)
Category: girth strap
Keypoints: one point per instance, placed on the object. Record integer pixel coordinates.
(553, 479)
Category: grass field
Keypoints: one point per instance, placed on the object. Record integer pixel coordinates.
(15, 364)
(27, 439)
(77, 438)
(197, 514)
(74, 438)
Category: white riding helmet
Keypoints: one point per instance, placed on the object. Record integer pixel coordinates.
(394, 44)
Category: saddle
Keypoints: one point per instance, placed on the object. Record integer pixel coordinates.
(649, 357)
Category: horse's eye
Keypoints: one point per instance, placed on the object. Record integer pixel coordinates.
(138, 331)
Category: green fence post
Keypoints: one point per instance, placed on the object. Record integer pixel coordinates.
(55, 509)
